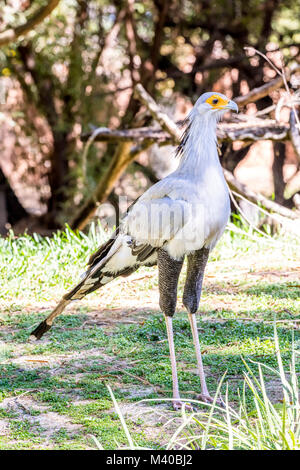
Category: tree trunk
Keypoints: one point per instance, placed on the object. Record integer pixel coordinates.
(277, 170)
(231, 158)
(58, 176)
(11, 211)
(117, 165)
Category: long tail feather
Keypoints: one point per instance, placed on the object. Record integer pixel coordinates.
(46, 324)
(88, 284)
(113, 259)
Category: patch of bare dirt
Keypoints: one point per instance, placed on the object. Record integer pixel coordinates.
(138, 392)
(158, 423)
(29, 362)
(52, 422)
(274, 275)
(274, 390)
(4, 427)
(47, 422)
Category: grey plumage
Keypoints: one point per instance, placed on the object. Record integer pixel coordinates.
(168, 275)
(196, 263)
(182, 215)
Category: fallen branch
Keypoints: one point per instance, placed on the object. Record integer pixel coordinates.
(138, 134)
(250, 131)
(245, 218)
(12, 34)
(242, 189)
(253, 130)
(273, 215)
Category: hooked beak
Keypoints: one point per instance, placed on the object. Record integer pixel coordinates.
(232, 106)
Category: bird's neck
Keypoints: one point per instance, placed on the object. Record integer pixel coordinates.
(199, 148)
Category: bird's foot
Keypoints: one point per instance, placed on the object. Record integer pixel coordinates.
(178, 405)
(206, 398)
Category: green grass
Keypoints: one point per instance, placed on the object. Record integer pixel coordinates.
(263, 426)
(117, 336)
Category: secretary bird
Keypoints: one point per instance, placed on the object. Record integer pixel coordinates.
(182, 215)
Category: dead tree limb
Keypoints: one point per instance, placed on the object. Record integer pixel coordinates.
(138, 134)
(260, 92)
(12, 34)
(264, 90)
(242, 189)
(165, 122)
(250, 131)
(253, 130)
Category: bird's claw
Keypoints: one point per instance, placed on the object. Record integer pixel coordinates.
(178, 405)
(208, 399)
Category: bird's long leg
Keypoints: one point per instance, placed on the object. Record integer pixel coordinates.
(196, 263)
(46, 324)
(204, 391)
(191, 298)
(176, 396)
(168, 275)
(204, 395)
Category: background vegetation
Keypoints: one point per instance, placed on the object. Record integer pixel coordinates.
(77, 69)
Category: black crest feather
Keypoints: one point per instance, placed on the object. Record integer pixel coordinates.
(187, 124)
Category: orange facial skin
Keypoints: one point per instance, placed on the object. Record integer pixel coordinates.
(216, 102)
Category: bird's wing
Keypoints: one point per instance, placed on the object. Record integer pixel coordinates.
(153, 222)
(103, 266)
(102, 250)
(148, 225)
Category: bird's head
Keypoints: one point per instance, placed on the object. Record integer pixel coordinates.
(202, 120)
(214, 104)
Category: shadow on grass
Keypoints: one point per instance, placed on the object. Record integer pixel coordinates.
(277, 290)
(134, 355)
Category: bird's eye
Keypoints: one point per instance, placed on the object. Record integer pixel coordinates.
(215, 101)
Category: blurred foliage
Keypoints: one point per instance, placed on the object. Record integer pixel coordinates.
(78, 68)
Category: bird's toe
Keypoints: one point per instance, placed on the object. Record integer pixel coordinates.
(208, 399)
(178, 405)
